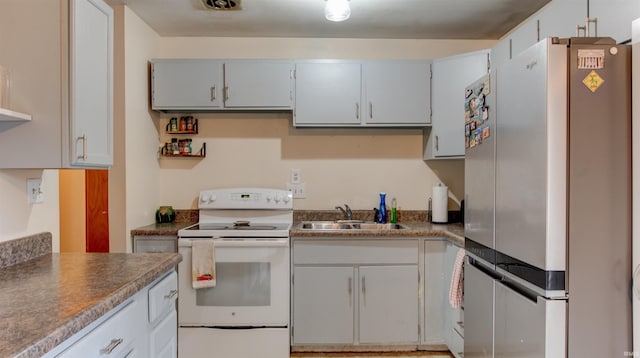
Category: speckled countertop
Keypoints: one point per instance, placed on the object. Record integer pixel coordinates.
(165, 229)
(453, 232)
(48, 298)
(414, 220)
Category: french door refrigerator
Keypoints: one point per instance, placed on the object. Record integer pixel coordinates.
(548, 205)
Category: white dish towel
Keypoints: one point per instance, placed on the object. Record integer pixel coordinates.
(457, 280)
(203, 264)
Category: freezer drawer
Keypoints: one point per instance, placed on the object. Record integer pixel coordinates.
(528, 327)
(478, 313)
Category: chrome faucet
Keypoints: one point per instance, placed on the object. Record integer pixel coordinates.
(348, 215)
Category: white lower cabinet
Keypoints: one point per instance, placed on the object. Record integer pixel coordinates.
(388, 304)
(454, 317)
(435, 288)
(323, 310)
(143, 326)
(355, 292)
(163, 339)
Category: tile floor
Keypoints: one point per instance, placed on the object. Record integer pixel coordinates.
(371, 354)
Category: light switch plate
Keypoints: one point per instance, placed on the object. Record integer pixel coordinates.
(299, 190)
(35, 195)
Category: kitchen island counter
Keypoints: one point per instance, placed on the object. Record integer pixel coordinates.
(47, 299)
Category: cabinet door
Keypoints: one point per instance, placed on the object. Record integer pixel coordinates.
(186, 84)
(327, 94)
(91, 83)
(249, 84)
(397, 93)
(323, 301)
(388, 304)
(524, 36)
(500, 53)
(614, 17)
(164, 338)
(450, 77)
(453, 323)
(559, 18)
(434, 286)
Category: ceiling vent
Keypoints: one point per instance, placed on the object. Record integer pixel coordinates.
(221, 4)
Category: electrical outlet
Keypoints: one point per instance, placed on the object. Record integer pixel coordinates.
(296, 176)
(299, 190)
(35, 195)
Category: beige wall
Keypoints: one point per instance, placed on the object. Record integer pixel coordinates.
(140, 128)
(19, 218)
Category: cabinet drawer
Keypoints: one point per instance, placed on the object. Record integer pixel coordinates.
(164, 338)
(116, 336)
(356, 251)
(154, 243)
(162, 296)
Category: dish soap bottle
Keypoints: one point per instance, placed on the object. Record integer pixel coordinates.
(383, 208)
(394, 212)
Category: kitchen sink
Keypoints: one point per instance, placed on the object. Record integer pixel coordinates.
(343, 225)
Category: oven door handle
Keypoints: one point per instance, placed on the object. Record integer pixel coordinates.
(230, 242)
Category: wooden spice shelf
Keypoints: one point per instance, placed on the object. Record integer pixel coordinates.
(200, 154)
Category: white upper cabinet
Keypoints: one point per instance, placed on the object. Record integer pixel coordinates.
(207, 84)
(614, 17)
(450, 77)
(560, 18)
(397, 93)
(182, 84)
(68, 92)
(328, 94)
(393, 93)
(260, 84)
(91, 83)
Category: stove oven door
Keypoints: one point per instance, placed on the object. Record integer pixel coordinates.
(252, 285)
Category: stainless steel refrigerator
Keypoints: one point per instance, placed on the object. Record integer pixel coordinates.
(548, 204)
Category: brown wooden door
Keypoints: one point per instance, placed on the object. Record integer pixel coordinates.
(97, 206)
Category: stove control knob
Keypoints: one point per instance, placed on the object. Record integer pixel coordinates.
(204, 198)
(212, 198)
(269, 197)
(278, 198)
(285, 199)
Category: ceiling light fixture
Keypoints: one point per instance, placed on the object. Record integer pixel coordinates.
(337, 10)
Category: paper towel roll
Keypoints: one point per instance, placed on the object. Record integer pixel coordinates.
(439, 199)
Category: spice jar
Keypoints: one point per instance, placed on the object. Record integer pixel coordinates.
(173, 124)
(183, 124)
(189, 123)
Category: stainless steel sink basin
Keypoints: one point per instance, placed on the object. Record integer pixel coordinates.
(341, 225)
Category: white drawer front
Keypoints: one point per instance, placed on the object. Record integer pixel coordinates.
(116, 337)
(162, 297)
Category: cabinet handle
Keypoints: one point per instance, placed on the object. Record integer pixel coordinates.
(350, 290)
(84, 147)
(213, 93)
(114, 343)
(357, 110)
(437, 146)
(171, 294)
(364, 286)
(225, 92)
(370, 110)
